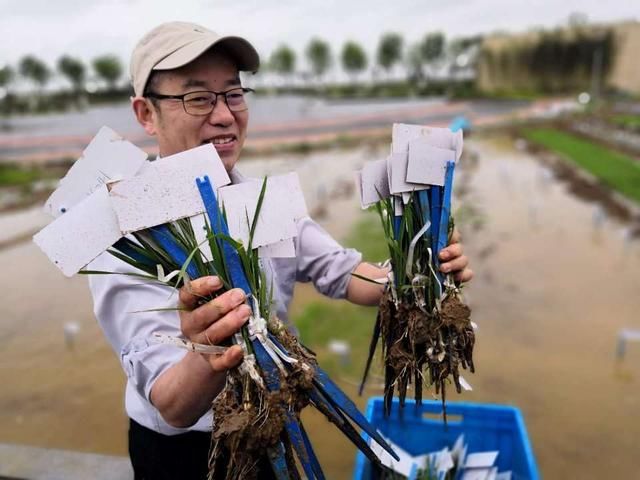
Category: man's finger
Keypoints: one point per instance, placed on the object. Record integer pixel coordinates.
(231, 358)
(455, 265)
(224, 327)
(190, 294)
(456, 237)
(202, 317)
(452, 251)
(463, 276)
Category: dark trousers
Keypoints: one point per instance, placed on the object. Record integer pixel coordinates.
(168, 457)
(175, 457)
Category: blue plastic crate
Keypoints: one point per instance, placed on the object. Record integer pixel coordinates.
(420, 429)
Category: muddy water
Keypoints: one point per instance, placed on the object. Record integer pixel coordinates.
(555, 281)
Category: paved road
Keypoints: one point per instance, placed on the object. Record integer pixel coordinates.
(21, 462)
(44, 139)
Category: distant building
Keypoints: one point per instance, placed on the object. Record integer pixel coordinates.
(579, 57)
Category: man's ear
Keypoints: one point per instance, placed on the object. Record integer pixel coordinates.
(145, 113)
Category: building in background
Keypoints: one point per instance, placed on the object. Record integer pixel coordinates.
(578, 57)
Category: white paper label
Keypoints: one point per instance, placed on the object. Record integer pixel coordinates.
(107, 158)
(476, 474)
(283, 249)
(427, 164)
(282, 206)
(375, 183)
(167, 189)
(481, 459)
(436, 137)
(74, 239)
(397, 172)
(402, 466)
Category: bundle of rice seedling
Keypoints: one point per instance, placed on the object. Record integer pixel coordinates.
(422, 322)
(257, 415)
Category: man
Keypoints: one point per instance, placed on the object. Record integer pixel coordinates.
(188, 93)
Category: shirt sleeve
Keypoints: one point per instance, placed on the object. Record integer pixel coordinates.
(120, 302)
(323, 261)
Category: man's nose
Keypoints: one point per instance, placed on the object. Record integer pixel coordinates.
(221, 115)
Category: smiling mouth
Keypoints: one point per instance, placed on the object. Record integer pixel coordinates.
(220, 140)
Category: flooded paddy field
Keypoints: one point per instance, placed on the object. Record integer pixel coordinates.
(556, 279)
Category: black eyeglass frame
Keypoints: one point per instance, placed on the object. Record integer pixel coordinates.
(160, 96)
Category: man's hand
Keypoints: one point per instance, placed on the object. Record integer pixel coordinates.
(454, 261)
(184, 392)
(214, 321)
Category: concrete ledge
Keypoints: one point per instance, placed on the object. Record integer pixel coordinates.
(21, 462)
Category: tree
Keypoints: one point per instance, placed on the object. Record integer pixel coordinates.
(414, 63)
(432, 47)
(74, 70)
(319, 55)
(6, 76)
(389, 50)
(354, 59)
(283, 60)
(108, 68)
(35, 70)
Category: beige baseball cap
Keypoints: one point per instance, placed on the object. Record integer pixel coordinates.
(175, 44)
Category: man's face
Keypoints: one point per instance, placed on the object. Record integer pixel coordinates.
(177, 130)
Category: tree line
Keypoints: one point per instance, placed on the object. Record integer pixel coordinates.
(352, 57)
(354, 60)
(106, 68)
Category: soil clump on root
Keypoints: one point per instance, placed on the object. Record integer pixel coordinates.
(418, 345)
(249, 420)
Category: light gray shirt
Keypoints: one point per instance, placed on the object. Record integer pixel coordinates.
(120, 302)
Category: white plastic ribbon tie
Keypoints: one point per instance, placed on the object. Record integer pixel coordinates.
(166, 278)
(433, 272)
(188, 345)
(412, 246)
(258, 330)
(464, 384)
(248, 367)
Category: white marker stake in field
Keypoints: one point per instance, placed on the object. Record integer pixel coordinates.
(107, 158)
(80, 235)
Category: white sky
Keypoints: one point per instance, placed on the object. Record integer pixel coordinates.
(87, 28)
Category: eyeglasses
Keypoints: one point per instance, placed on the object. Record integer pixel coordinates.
(203, 102)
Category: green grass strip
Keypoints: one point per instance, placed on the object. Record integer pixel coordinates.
(617, 170)
(11, 175)
(627, 121)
